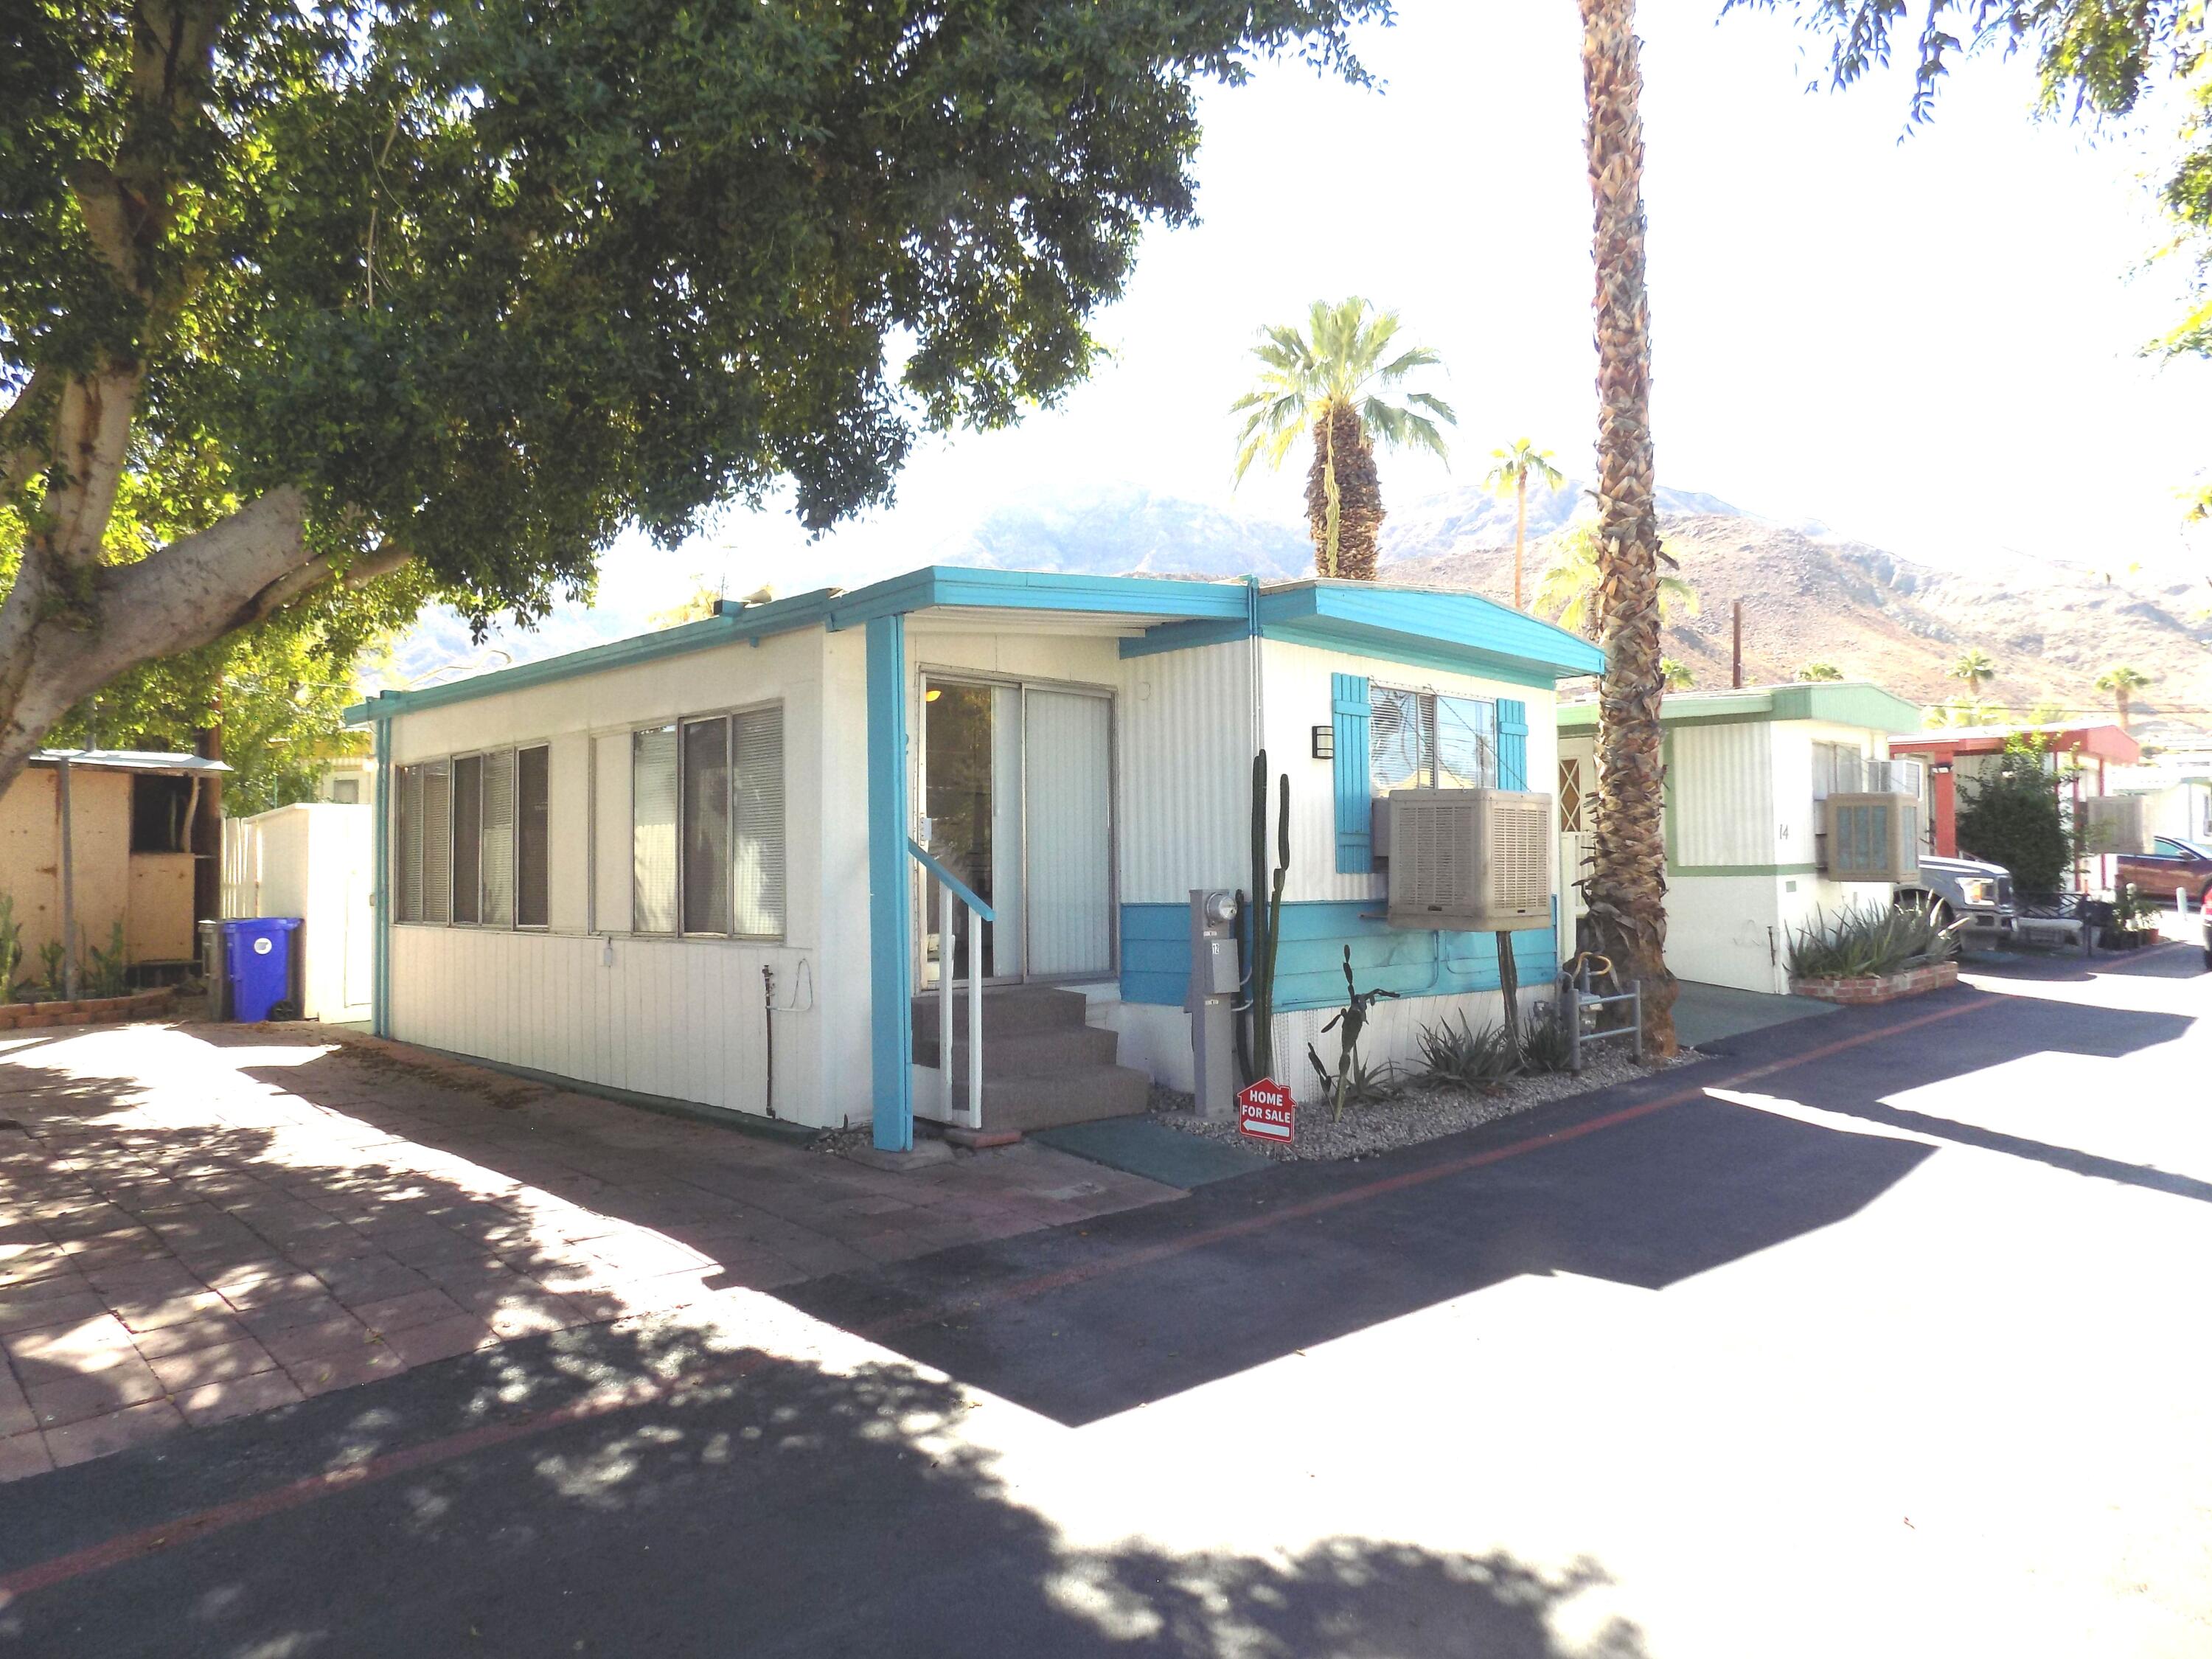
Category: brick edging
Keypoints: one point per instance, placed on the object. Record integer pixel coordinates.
(1863, 990)
(85, 1011)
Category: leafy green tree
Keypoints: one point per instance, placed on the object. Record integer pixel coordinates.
(1341, 378)
(451, 294)
(1678, 674)
(1818, 671)
(2009, 815)
(2123, 682)
(1516, 463)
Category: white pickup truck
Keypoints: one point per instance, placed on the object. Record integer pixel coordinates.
(1965, 890)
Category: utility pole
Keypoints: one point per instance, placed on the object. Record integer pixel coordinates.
(1735, 673)
(205, 836)
(68, 882)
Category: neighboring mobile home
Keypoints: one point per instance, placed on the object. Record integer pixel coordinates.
(1749, 776)
(131, 815)
(696, 866)
(2089, 754)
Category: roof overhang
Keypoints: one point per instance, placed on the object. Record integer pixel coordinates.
(1422, 627)
(128, 760)
(2102, 740)
(1834, 703)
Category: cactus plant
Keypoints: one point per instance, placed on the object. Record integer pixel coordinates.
(1265, 914)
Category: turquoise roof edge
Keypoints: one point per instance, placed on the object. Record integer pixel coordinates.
(1426, 618)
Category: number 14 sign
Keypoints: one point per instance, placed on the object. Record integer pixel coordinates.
(1263, 1111)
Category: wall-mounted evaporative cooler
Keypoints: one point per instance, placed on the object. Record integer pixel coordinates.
(1473, 861)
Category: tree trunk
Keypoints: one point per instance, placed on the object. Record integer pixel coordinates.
(1342, 448)
(1520, 534)
(1628, 881)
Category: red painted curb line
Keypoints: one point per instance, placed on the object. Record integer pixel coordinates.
(277, 1500)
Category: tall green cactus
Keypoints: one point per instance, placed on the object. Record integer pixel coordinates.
(1268, 914)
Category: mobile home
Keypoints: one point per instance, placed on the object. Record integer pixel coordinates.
(725, 864)
(1750, 774)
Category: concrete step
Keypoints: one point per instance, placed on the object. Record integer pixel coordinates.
(1007, 1009)
(1033, 1102)
(1025, 1053)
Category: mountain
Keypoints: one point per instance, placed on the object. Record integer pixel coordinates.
(1807, 594)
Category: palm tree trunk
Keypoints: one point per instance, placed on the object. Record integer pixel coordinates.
(1520, 534)
(2120, 700)
(1344, 497)
(1627, 887)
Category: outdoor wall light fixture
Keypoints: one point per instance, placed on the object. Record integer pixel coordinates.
(1324, 743)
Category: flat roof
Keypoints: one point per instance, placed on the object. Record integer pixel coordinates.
(127, 760)
(1426, 626)
(2102, 739)
(1837, 702)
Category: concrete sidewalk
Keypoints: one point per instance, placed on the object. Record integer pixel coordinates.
(201, 1222)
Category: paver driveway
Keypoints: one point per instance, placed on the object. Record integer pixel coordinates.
(198, 1222)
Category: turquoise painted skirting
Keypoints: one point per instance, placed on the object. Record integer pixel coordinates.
(1310, 968)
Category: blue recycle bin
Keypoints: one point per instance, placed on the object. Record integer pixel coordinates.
(257, 961)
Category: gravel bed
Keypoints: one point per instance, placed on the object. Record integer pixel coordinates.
(1422, 1112)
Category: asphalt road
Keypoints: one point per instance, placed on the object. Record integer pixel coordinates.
(1878, 1333)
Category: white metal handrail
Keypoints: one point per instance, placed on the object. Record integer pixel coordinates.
(950, 887)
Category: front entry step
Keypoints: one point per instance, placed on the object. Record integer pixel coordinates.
(1044, 1066)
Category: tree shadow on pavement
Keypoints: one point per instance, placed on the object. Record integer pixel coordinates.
(771, 1504)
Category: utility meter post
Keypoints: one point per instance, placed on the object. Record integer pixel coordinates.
(1215, 980)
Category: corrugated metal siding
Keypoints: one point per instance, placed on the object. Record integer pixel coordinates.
(1723, 790)
(679, 1019)
(1184, 757)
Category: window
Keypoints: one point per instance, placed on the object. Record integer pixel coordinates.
(346, 792)
(707, 834)
(532, 807)
(1419, 739)
(161, 813)
(422, 844)
(1570, 793)
(471, 838)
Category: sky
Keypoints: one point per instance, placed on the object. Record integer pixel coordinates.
(1929, 342)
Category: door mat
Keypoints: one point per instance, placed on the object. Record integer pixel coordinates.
(1142, 1147)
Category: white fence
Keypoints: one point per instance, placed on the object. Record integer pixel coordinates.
(313, 861)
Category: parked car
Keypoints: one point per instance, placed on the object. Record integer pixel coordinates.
(1965, 890)
(2171, 862)
(2206, 913)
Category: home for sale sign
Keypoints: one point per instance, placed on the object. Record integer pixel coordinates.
(1263, 1111)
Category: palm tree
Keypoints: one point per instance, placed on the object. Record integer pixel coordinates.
(1676, 673)
(1517, 463)
(1818, 671)
(2123, 682)
(1975, 668)
(1342, 379)
(1569, 589)
(1627, 886)
(1963, 711)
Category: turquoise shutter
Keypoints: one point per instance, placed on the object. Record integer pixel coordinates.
(1512, 745)
(1355, 850)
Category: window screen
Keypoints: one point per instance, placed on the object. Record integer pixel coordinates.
(1466, 743)
(498, 858)
(437, 843)
(758, 838)
(1402, 739)
(407, 852)
(532, 797)
(468, 838)
(706, 827)
(652, 830)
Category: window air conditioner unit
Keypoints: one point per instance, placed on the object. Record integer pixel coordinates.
(2113, 823)
(1470, 860)
(1872, 837)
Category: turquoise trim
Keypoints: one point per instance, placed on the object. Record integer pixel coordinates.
(890, 935)
(379, 885)
(1512, 743)
(1426, 627)
(1351, 714)
(1838, 702)
(961, 889)
(1310, 970)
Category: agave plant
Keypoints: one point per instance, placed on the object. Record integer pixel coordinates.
(1870, 941)
(1465, 1056)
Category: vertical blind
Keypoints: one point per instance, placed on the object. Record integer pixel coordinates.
(497, 858)
(468, 839)
(706, 827)
(438, 842)
(757, 845)
(532, 798)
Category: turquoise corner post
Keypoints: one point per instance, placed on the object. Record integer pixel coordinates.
(380, 886)
(890, 939)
